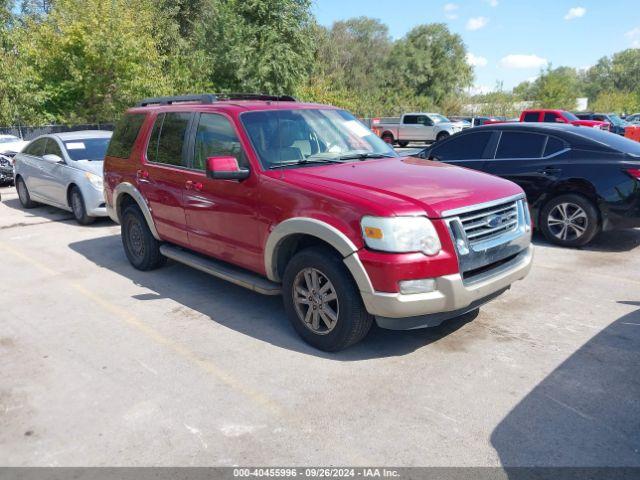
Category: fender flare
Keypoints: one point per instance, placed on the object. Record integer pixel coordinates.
(323, 231)
(129, 189)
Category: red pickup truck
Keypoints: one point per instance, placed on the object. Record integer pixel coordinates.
(560, 116)
(302, 200)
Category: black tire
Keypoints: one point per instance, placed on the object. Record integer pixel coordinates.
(140, 246)
(352, 322)
(403, 144)
(76, 202)
(441, 136)
(580, 231)
(23, 194)
(388, 138)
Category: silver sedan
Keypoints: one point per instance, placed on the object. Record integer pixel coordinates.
(64, 170)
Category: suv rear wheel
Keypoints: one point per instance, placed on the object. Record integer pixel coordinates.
(388, 138)
(569, 220)
(441, 136)
(140, 246)
(322, 301)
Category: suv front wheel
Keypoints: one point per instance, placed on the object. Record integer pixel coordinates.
(322, 301)
(140, 246)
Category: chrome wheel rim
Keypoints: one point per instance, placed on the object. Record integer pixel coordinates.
(567, 221)
(316, 301)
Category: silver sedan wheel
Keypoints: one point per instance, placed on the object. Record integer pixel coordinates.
(22, 191)
(567, 221)
(316, 301)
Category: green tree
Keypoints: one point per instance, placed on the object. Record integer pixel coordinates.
(616, 101)
(557, 88)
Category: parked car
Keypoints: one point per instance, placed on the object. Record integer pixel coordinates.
(64, 170)
(615, 123)
(417, 127)
(303, 200)
(478, 121)
(11, 143)
(6, 169)
(560, 116)
(578, 181)
(635, 118)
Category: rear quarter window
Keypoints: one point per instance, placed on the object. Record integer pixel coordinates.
(531, 117)
(125, 134)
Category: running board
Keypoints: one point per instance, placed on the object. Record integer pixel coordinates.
(216, 268)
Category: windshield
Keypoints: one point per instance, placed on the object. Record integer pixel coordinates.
(293, 137)
(439, 118)
(570, 116)
(87, 148)
(9, 139)
(616, 120)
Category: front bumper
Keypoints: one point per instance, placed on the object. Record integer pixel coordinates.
(94, 202)
(453, 295)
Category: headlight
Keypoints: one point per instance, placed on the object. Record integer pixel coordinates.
(400, 234)
(95, 180)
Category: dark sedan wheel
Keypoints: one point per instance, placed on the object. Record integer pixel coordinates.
(23, 194)
(140, 246)
(78, 207)
(322, 301)
(569, 220)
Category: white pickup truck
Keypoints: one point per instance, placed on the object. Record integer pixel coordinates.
(416, 127)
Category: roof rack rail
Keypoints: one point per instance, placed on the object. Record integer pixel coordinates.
(256, 96)
(202, 98)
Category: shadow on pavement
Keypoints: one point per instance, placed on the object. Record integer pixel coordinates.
(614, 241)
(247, 312)
(47, 212)
(584, 414)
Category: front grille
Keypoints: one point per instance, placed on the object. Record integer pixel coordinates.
(490, 222)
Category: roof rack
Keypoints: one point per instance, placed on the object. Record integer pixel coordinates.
(209, 98)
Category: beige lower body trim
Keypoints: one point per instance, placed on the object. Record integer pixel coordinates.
(451, 294)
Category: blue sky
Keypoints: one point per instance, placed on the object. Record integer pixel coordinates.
(509, 40)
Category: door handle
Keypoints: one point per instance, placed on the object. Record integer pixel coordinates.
(191, 185)
(142, 175)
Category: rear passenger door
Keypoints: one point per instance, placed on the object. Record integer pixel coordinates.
(53, 174)
(532, 160)
(466, 150)
(162, 179)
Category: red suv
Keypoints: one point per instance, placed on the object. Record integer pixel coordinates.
(303, 200)
(560, 116)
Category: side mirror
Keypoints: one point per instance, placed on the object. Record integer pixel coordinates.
(225, 168)
(49, 157)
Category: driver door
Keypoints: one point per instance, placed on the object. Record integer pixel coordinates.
(425, 129)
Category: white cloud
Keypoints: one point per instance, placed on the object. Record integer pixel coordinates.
(634, 36)
(492, 3)
(476, 60)
(476, 23)
(450, 11)
(523, 61)
(575, 12)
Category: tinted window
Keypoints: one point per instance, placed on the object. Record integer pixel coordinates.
(463, 147)
(570, 116)
(216, 137)
(531, 117)
(596, 139)
(554, 145)
(550, 117)
(52, 148)
(125, 135)
(93, 149)
(36, 147)
(410, 119)
(520, 145)
(168, 138)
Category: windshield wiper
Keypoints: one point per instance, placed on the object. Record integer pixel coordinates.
(365, 156)
(305, 161)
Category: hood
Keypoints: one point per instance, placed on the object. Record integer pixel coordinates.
(406, 185)
(91, 166)
(456, 126)
(589, 123)
(461, 124)
(13, 146)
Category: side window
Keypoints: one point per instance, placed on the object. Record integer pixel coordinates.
(216, 137)
(36, 148)
(125, 134)
(52, 148)
(424, 120)
(410, 120)
(168, 138)
(531, 117)
(554, 145)
(520, 145)
(550, 117)
(464, 147)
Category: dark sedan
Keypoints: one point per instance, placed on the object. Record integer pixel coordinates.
(579, 181)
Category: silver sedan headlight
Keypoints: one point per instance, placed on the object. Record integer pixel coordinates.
(400, 234)
(94, 180)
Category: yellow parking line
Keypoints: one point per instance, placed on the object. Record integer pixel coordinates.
(157, 337)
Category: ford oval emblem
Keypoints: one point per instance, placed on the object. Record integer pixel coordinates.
(496, 220)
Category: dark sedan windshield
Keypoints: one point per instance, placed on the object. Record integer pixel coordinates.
(284, 138)
(87, 148)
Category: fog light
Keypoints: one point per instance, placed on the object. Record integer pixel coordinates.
(424, 285)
